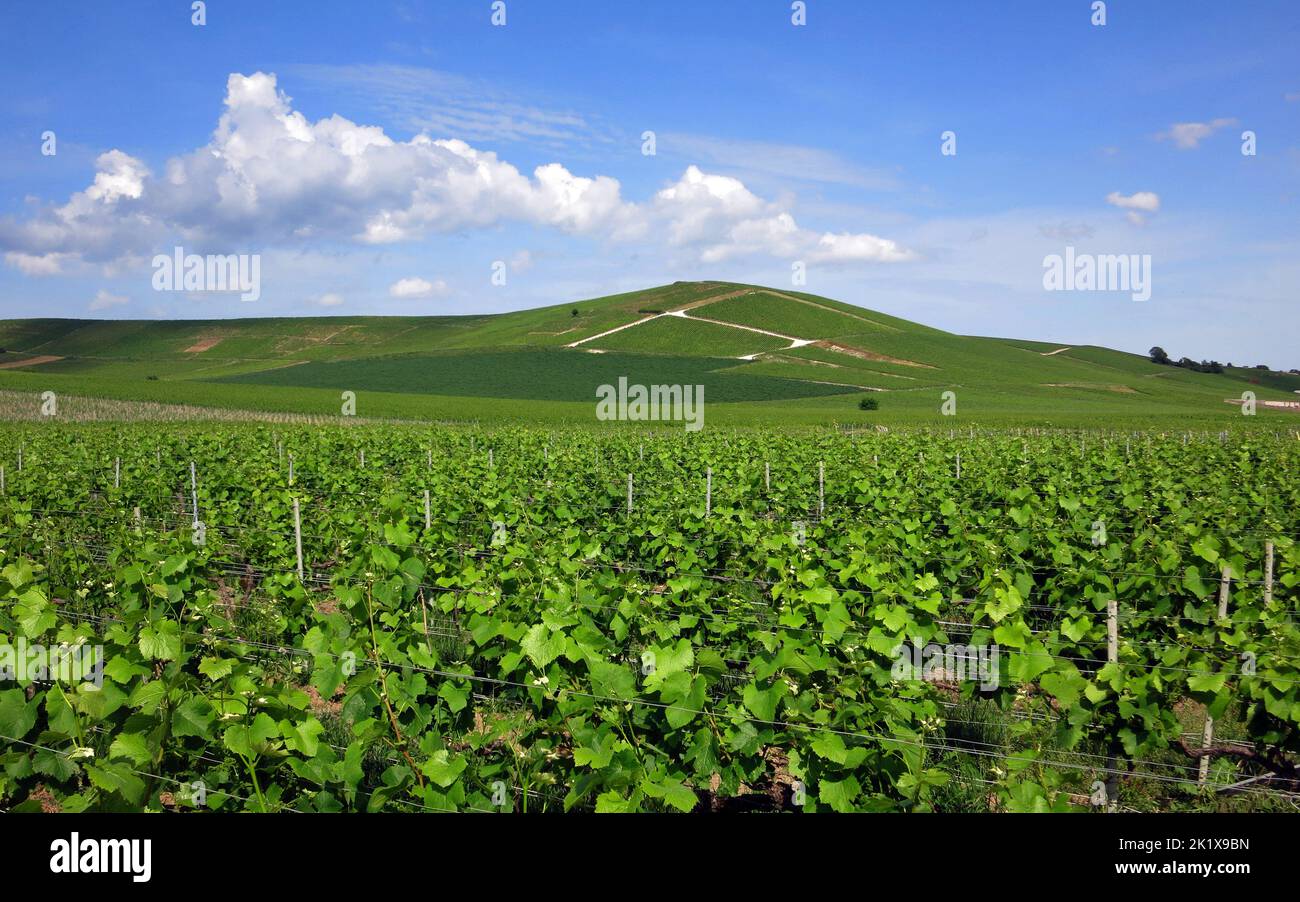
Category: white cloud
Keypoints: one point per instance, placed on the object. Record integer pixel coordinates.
(270, 177)
(330, 299)
(444, 103)
(522, 261)
(414, 288)
(1187, 135)
(846, 247)
(790, 162)
(1146, 201)
(103, 300)
(36, 264)
(1137, 204)
(728, 220)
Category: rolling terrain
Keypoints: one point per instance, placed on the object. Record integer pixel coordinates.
(763, 354)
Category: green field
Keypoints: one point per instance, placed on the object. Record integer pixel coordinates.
(413, 618)
(534, 375)
(523, 365)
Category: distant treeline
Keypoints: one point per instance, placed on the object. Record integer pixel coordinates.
(1158, 355)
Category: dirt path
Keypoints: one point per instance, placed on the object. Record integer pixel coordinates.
(681, 313)
(1054, 353)
(790, 297)
(794, 342)
(205, 344)
(644, 319)
(869, 355)
(30, 361)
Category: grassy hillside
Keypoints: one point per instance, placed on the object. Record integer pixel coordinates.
(763, 354)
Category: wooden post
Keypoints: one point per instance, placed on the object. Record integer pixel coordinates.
(136, 513)
(1112, 631)
(430, 458)
(2, 480)
(1112, 656)
(821, 489)
(297, 536)
(491, 460)
(290, 468)
(959, 465)
(708, 492)
(1224, 579)
(363, 458)
(1268, 568)
(767, 476)
(20, 458)
(194, 492)
(117, 472)
(629, 493)
(1207, 739)
(428, 511)
(1207, 735)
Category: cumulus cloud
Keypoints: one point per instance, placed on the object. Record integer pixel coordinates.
(330, 299)
(1146, 201)
(269, 177)
(846, 247)
(726, 219)
(36, 264)
(414, 288)
(1187, 135)
(1137, 204)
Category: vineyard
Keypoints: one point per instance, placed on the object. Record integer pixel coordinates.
(364, 618)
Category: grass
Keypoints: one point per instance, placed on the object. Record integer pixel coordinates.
(675, 335)
(764, 310)
(515, 366)
(534, 375)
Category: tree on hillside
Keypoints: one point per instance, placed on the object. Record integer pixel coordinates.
(1158, 355)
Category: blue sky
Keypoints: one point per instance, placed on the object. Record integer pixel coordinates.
(381, 157)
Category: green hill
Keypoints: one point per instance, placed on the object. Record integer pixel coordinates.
(763, 354)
